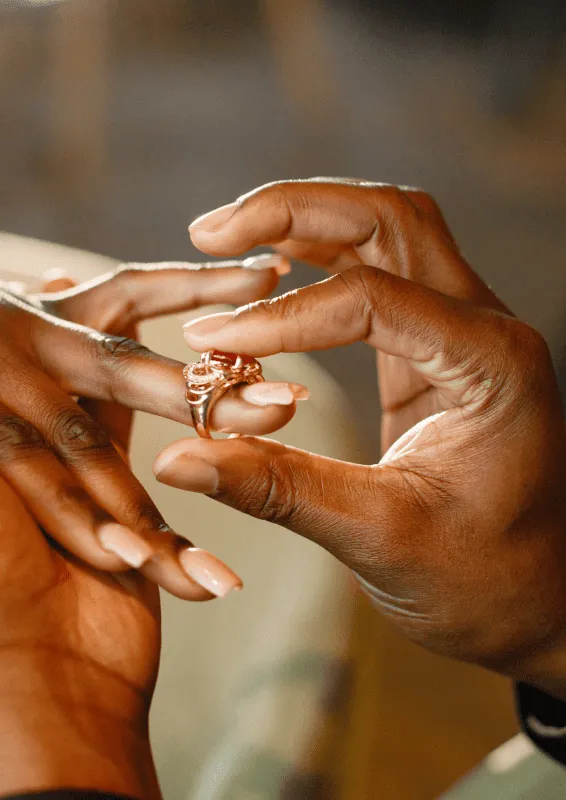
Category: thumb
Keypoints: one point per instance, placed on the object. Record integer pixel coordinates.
(349, 509)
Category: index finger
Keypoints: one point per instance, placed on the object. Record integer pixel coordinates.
(309, 211)
(344, 223)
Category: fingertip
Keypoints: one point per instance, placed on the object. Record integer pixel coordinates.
(56, 280)
(212, 243)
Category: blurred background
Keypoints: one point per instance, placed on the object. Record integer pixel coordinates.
(123, 120)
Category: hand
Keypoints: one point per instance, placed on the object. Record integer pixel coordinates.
(79, 652)
(62, 462)
(459, 533)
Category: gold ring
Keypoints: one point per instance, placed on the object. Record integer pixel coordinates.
(210, 378)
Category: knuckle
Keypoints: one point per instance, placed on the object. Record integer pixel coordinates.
(73, 431)
(521, 361)
(363, 283)
(423, 199)
(18, 436)
(394, 215)
(529, 350)
(140, 512)
(114, 356)
(269, 494)
(111, 349)
(527, 339)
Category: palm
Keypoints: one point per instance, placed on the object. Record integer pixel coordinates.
(86, 623)
(112, 621)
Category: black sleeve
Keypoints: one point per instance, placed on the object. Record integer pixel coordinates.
(67, 794)
(543, 719)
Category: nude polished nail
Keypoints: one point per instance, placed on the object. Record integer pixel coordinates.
(125, 543)
(209, 572)
(277, 394)
(184, 471)
(213, 220)
(279, 263)
(204, 326)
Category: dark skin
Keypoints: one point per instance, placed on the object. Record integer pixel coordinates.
(98, 633)
(459, 533)
(79, 630)
(80, 652)
(78, 341)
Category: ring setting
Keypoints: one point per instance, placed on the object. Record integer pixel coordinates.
(211, 377)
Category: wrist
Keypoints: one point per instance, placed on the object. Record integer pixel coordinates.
(59, 731)
(545, 671)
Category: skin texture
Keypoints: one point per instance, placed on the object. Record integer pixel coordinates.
(79, 647)
(66, 460)
(79, 654)
(459, 533)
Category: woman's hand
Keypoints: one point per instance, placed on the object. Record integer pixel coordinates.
(79, 651)
(62, 462)
(459, 533)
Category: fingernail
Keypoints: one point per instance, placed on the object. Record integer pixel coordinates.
(276, 394)
(280, 264)
(185, 471)
(126, 544)
(214, 219)
(54, 274)
(209, 572)
(206, 325)
(284, 268)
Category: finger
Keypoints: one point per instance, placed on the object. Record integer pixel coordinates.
(56, 280)
(448, 341)
(58, 501)
(136, 292)
(116, 420)
(353, 222)
(348, 509)
(116, 369)
(22, 541)
(87, 461)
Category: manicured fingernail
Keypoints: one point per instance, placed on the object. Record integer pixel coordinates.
(126, 544)
(208, 571)
(54, 274)
(280, 264)
(214, 219)
(284, 268)
(185, 471)
(203, 326)
(274, 394)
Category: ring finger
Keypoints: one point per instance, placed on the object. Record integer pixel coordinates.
(90, 503)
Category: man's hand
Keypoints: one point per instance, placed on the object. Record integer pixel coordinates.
(459, 533)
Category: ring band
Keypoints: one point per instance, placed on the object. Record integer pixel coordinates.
(210, 378)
